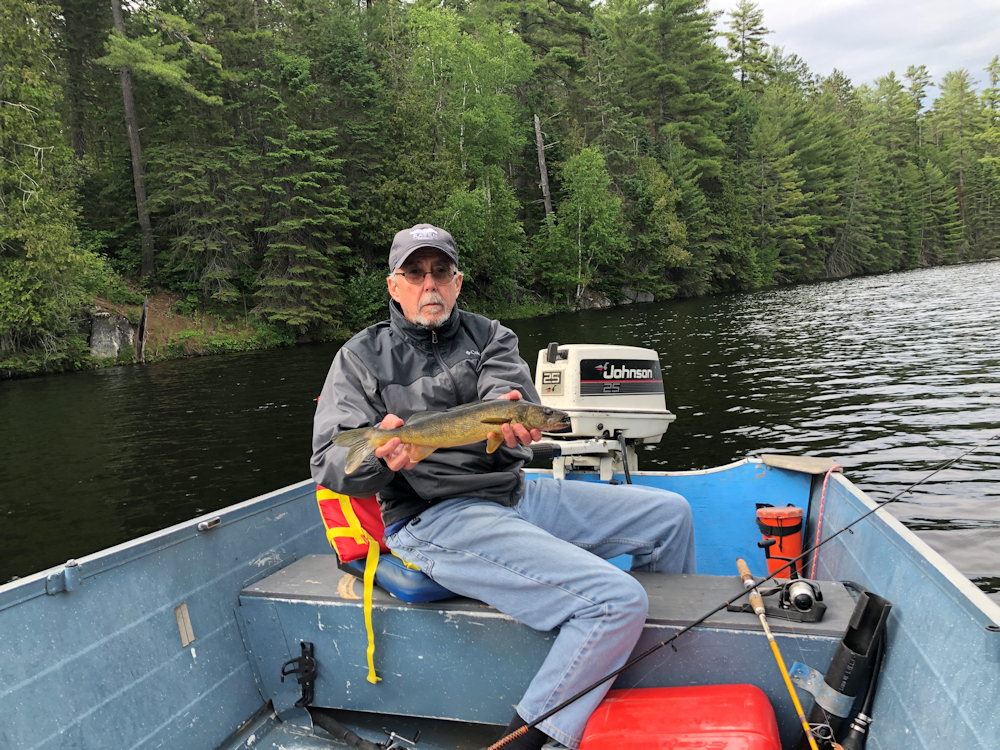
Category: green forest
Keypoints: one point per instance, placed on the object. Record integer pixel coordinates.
(255, 158)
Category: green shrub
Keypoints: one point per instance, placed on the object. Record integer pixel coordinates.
(187, 306)
(126, 355)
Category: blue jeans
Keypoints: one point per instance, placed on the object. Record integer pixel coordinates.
(541, 563)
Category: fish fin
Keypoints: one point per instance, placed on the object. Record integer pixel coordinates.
(494, 442)
(418, 453)
(466, 406)
(495, 420)
(421, 415)
(359, 445)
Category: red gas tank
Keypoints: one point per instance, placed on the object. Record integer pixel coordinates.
(720, 717)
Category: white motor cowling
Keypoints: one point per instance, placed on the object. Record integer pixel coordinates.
(613, 394)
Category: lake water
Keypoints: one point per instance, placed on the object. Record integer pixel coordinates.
(890, 375)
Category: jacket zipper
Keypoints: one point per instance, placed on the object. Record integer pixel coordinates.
(440, 359)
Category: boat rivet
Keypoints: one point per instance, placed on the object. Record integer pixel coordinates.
(993, 628)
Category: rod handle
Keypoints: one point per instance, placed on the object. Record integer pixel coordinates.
(755, 599)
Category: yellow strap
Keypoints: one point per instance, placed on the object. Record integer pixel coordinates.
(352, 519)
(411, 566)
(371, 563)
(342, 532)
(356, 532)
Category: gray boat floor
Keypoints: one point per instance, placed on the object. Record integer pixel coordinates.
(267, 732)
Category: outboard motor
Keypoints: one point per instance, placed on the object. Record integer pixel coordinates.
(614, 396)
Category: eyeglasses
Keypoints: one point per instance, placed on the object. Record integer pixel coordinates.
(441, 275)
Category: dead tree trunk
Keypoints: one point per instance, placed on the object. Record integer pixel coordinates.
(542, 169)
(140, 334)
(138, 174)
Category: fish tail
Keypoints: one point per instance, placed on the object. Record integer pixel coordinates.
(359, 446)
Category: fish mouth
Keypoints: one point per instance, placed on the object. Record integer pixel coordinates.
(558, 422)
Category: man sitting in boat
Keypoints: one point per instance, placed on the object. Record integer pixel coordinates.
(536, 550)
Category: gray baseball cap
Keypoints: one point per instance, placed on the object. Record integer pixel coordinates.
(414, 238)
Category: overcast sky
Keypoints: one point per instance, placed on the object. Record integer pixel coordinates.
(868, 38)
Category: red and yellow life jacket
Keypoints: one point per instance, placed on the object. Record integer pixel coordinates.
(354, 529)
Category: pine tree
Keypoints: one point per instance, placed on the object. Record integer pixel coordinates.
(357, 110)
(86, 24)
(984, 192)
(675, 85)
(956, 121)
(204, 196)
(779, 226)
(305, 212)
(204, 161)
(920, 79)
(822, 159)
(675, 80)
(939, 223)
(895, 117)
(747, 48)
(608, 122)
(658, 234)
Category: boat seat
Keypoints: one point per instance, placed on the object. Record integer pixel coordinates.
(404, 583)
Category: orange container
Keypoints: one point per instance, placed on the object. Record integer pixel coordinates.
(784, 527)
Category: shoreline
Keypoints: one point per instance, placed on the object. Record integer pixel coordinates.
(182, 328)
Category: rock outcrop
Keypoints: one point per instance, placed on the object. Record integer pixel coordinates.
(592, 301)
(110, 332)
(633, 296)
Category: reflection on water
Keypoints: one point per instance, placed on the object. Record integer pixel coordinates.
(890, 375)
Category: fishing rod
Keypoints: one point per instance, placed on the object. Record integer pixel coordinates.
(670, 641)
(758, 607)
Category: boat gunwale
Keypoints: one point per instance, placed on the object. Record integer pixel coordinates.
(32, 586)
(922, 554)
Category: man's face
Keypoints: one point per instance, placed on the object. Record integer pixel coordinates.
(428, 303)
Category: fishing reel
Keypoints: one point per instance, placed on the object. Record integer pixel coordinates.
(800, 594)
(799, 600)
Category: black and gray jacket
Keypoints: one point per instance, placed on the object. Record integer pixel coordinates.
(397, 367)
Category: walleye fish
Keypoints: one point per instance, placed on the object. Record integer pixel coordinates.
(424, 433)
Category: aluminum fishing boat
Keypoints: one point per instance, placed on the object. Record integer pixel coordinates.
(179, 639)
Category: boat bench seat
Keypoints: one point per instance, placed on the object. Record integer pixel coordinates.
(462, 660)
